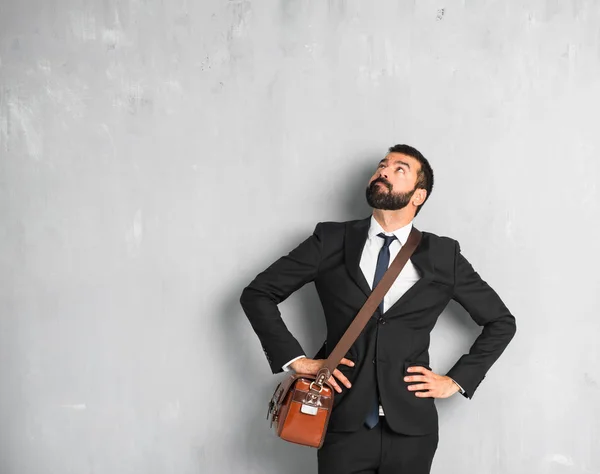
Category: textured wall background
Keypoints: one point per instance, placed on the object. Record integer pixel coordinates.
(156, 155)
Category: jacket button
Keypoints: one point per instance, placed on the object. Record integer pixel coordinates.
(382, 321)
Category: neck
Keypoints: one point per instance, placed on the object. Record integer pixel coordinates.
(392, 220)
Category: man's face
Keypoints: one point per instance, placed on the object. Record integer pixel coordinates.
(393, 184)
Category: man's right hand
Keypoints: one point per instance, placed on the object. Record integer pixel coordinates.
(312, 366)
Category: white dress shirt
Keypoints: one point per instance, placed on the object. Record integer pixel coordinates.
(368, 262)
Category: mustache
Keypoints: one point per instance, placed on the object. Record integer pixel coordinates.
(382, 181)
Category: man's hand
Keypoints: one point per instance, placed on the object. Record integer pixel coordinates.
(437, 386)
(312, 366)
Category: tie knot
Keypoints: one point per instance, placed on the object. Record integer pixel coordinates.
(387, 239)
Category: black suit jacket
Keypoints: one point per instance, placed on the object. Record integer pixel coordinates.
(391, 341)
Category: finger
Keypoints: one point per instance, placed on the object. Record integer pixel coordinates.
(419, 386)
(335, 385)
(418, 368)
(342, 378)
(415, 378)
(347, 362)
(428, 394)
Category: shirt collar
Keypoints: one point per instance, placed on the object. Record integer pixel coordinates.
(401, 233)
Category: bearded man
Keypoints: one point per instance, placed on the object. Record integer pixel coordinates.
(384, 419)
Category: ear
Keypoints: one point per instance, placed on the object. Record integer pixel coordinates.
(419, 196)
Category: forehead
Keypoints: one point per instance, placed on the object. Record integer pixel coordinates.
(394, 157)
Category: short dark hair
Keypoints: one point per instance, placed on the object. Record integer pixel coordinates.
(425, 175)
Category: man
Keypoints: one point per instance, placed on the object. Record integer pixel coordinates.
(384, 419)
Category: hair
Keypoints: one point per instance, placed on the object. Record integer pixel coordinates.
(425, 175)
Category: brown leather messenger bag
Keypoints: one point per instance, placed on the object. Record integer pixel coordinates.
(301, 404)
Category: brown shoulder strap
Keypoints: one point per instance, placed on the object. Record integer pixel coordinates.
(365, 313)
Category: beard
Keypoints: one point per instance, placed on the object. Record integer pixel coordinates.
(378, 197)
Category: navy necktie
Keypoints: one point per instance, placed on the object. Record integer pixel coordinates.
(383, 262)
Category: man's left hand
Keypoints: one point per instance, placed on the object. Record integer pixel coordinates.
(437, 386)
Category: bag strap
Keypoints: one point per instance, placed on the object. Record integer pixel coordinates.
(367, 310)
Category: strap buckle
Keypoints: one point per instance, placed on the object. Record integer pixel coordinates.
(322, 375)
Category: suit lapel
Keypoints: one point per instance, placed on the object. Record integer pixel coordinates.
(421, 259)
(356, 237)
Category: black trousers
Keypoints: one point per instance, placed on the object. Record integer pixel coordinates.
(376, 451)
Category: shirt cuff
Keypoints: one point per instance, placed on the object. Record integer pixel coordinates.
(286, 367)
(461, 390)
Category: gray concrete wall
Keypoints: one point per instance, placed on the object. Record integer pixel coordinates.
(156, 155)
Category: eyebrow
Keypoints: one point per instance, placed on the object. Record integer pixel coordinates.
(397, 162)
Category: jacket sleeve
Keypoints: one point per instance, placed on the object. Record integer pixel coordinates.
(487, 309)
(260, 298)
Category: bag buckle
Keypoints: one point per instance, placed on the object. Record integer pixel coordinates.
(311, 403)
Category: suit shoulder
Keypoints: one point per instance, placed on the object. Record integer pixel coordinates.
(443, 251)
(442, 242)
(333, 226)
